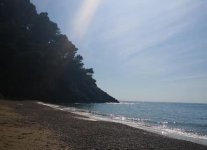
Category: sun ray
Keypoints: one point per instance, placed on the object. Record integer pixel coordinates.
(84, 17)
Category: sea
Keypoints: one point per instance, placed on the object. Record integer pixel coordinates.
(184, 121)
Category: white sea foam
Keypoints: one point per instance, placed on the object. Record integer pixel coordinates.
(162, 129)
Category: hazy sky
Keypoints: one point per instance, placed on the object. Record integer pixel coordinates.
(143, 50)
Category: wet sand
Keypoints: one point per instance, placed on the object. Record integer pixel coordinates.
(28, 125)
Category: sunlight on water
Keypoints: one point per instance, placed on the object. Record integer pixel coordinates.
(181, 121)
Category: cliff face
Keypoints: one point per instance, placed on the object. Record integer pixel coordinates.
(38, 62)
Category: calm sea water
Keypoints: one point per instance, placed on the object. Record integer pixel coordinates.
(177, 120)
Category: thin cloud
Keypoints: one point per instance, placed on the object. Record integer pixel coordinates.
(146, 31)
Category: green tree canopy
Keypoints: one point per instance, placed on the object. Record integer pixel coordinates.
(38, 62)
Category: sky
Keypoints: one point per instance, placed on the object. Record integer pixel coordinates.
(140, 50)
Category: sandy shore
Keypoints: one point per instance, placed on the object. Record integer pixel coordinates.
(28, 125)
(20, 132)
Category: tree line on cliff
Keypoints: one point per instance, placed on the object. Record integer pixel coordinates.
(37, 61)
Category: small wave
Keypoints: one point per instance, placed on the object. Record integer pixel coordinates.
(50, 105)
(182, 134)
(164, 122)
(145, 124)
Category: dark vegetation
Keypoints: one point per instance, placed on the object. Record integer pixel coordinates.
(38, 62)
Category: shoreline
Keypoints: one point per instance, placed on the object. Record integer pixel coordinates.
(76, 132)
(97, 117)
